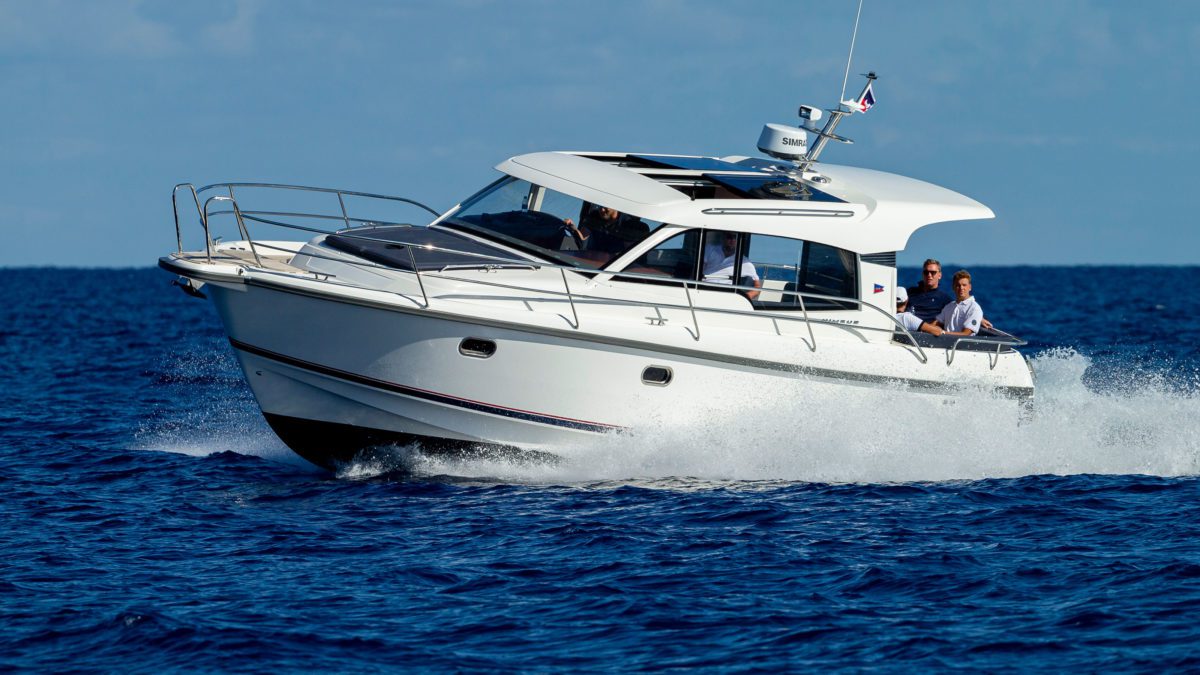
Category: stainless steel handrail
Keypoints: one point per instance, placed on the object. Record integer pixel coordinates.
(257, 215)
(237, 213)
(207, 232)
(686, 284)
(208, 243)
(203, 213)
(570, 298)
(242, 216)
(309, 188)
(417, 272)
(1016, 342)
(175, 210)
(691, 307)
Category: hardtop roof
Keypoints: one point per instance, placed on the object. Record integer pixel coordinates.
(868, 211)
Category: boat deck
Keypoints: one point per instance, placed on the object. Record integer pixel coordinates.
(275, 261)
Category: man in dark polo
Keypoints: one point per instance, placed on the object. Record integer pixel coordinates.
(925, 299)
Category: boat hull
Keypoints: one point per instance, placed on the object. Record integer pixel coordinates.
(334, 378)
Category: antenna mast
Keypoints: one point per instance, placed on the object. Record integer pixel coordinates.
(836, 114)
(826, 134)
(850, 56)
(791, 143)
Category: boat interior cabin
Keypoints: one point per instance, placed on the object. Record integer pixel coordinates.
(590, 235)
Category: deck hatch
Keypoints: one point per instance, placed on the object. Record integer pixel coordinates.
(763, 186)
(390, 246)
(692, 163)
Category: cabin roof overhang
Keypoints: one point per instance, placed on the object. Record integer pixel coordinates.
(872, 211)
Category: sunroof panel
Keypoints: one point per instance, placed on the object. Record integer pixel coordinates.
(772, 187)
(690, 163)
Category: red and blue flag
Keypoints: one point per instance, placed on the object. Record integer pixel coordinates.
(867, 100)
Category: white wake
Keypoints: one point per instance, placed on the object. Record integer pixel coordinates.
(1122, 423)
(1138, 425)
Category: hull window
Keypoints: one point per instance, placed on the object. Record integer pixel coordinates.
(477, 348)
(657, 375)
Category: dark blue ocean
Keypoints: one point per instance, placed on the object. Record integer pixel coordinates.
(150, 521)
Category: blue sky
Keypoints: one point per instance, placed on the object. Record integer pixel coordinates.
(1075, 121)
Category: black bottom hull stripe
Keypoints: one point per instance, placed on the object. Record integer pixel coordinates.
(426, 395)
(331, 445)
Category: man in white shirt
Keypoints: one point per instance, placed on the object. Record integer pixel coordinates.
(720, 259)
(964, 316)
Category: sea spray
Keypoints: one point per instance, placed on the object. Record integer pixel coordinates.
(867, 435)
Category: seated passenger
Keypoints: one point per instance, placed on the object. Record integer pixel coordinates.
(608, 230)
(719, 262)
(926, 299)
(910, 321)
(964, 316)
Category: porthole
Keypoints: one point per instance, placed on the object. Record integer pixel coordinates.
(659, 376)
(477, 348)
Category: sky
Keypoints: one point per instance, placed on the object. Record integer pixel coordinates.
(1074, 120)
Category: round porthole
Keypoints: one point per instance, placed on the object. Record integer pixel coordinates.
(477, 348)
(659, 376)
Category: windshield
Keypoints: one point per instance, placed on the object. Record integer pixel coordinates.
(550, 224)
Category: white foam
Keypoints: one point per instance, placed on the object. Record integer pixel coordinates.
(865, 435)
(1126, 423)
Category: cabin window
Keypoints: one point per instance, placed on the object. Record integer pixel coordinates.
(725, 261)
(788, 266)
(780, 266)
(550, 224)
(675, 258)
(698, 255)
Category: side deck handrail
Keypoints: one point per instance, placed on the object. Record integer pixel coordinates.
(573, 296)
(686, 284)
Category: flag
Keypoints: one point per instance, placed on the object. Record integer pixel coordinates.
(867, 100)
(878, 288)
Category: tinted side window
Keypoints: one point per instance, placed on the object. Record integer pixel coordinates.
(788, 266)
(676, 258)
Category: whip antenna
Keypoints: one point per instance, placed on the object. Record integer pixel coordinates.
(791, 143)
(850, 56)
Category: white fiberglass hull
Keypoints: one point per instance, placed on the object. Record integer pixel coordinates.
(335, 376)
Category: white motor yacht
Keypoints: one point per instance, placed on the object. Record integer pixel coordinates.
(581, 293)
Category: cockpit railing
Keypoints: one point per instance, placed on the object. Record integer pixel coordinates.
(1013, 341)
(490, 261)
